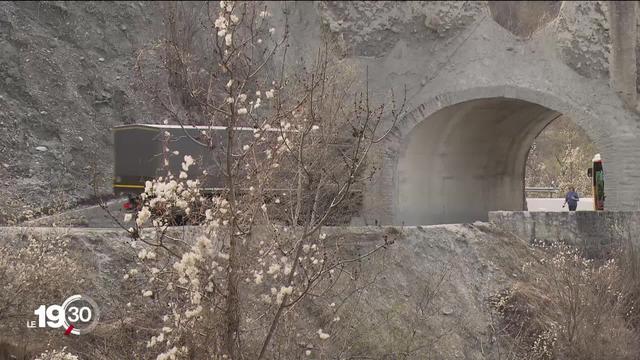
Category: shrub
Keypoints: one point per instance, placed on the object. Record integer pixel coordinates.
(570, 307)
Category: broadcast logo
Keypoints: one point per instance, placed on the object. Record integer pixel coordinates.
(77, 315)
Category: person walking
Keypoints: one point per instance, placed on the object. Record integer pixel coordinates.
(572, 199)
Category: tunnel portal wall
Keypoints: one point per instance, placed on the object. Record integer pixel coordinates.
(466, 160)
(462, 154)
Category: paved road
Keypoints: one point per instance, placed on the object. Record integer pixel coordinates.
(96, 217)
(86, 216)
(555, 204)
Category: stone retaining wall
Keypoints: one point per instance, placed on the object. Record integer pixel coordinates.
(595, 231)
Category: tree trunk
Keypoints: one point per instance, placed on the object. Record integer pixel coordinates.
(233, 300)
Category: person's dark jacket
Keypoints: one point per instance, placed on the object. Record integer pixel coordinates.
(572, 198)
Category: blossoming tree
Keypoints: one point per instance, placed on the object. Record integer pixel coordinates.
(236, 286)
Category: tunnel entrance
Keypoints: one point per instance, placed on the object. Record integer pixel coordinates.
(466, 160)
(558, 160)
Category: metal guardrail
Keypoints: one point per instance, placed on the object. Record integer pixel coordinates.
(542, 189)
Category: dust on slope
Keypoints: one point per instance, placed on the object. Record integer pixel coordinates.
(66, 78)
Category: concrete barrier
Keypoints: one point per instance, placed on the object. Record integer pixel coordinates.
(594, 231)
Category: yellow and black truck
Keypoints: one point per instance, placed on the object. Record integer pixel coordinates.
(139, 155)
(143, 152)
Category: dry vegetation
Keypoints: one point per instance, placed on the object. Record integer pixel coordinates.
(33, 269)
(563, 306)
(570, 307)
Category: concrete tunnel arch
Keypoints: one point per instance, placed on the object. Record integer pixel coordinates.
(461, 155)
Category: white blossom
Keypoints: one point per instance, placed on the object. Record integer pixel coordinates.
(52, 355)
(196, 298)
(242, 111)
(323, 335)
(143, 215)
(269, 93)
(258, 278)
(169, 355)
(188, 160)
(191, 313)
(287, 269)
(220, 23)
(274, 268)
(284, 291)
(147, 293)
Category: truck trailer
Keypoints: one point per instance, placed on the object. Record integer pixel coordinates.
(139, 155)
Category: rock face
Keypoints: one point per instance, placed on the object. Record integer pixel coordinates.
(583, 38)
(523, 19)
(67, 75)
(373, 28)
